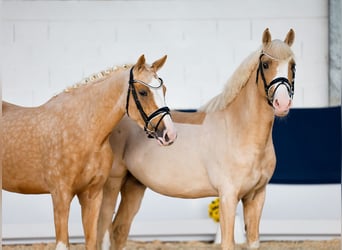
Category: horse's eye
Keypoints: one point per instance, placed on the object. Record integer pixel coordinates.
(143, 92)
(293, 68)
(265, 65)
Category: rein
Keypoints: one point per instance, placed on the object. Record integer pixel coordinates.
(277, 81)
(151, 133)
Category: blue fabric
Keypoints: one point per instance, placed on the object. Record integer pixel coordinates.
(308, 146)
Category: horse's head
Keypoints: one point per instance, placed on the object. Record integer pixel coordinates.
(276, 72)
(146, 101)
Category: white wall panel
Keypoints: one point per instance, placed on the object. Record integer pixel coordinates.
(62, 42)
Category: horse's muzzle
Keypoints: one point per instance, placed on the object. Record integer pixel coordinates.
(282, 101)
(165, 132)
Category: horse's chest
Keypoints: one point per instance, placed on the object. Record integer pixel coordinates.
(95, 170)
(258, 173)
(81, 168)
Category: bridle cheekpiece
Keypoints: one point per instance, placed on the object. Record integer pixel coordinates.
(152, 133)
(277, 81)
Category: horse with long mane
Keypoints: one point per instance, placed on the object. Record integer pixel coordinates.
(225, 149)
(62, 147)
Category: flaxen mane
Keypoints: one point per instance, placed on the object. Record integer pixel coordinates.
(277, 49)
(94, 78)
(234, 84)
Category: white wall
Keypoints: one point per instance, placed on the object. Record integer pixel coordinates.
(49, 45)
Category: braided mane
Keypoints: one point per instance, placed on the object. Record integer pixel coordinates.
(94, 78)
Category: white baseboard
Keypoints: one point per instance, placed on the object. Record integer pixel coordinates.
(203, 229)
(182, 230)
(35, 233)
(299, 229)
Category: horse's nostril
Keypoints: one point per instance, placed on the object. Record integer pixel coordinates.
(276, 103)
(166, 138)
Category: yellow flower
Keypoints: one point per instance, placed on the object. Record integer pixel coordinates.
(213, 210)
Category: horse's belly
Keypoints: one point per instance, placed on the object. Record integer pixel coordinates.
(185, 191)
(24, 188)
(23, 181)
(178, 170)
(21, 174)
(179, 181)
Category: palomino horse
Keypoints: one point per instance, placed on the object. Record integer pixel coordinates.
(62, 147)
(225, 150)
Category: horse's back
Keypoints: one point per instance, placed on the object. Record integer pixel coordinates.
(127, 130)
(8, 107)
(15, 116)
(190, 117)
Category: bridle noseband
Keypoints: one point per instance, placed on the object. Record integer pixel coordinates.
(152, 133)
(277, 81)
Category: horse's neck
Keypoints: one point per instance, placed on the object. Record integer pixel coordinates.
(111, 104)
(99, 106)
(251, 115)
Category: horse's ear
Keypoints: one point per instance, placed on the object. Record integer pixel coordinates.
(159, 63)
(266, 37)
(289, 39)
(140, 63)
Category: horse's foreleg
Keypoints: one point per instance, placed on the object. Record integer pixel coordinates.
(228, 203)
(252, 208)
(132, 193)
(90, 201)
(61, 206)
(110, 194)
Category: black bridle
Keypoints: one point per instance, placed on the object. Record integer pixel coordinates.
(152, 133)
(279, 81)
